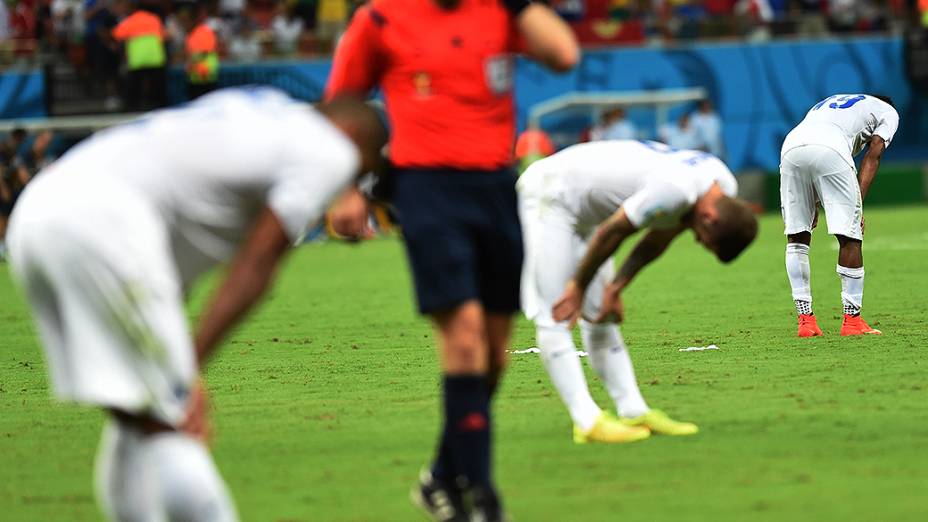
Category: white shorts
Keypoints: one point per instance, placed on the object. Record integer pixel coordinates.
(96, 269)
(553, 251)
(813, 173)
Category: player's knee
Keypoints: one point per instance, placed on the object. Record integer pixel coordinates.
(803, 238)
(848, 243)
(463, 339)
(554, 342)
(190, 486)
(122, 474)
(600, 336)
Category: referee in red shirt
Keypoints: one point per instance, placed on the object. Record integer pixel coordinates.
(445, 68)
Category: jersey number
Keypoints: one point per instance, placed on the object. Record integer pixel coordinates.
(840, 102)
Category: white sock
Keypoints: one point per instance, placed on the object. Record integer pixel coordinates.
(125, 481)
(797, 269)
(609, 357)
(155, 478)
(852, 288)
(190, 486)
(560, 359)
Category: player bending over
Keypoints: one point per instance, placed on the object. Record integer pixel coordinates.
(236, 176)
(620, 186)
(817, 165)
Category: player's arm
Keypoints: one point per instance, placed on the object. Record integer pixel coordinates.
(359, 60)
(548, 38)
(870, 164)
(651, 246)
(605, 241)
(249, 275)
(356, 69)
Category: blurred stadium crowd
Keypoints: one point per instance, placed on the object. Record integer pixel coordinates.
(248, 30)
(122, 49)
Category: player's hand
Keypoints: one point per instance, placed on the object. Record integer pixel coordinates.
(815, 218)
(349, 215)
(863, 225)
(197, 422)
(613, 311)
(568, 306)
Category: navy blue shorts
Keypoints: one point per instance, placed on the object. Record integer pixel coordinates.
(463, 237)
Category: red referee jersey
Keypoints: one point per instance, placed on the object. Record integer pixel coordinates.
(446, 76)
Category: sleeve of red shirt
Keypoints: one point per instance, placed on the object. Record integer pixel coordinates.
(358, 60)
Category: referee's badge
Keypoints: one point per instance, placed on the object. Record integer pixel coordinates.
(498, 70)
(423, 83)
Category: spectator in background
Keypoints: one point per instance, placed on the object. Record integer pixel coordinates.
(708, 126)
(811, 17)
(755, 17)
(67, 20)
(142, 34)
(5, 30)
(245, 44)
(617, 126)
(102, 50)
(201, 50)
(680, 135)
(307, 10)
(287, 28)
(532, 145)
(13, 178)
(231, 11)
(331, 21)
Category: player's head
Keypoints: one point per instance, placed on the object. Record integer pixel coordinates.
(724, 225)
(360, 122)
(883, 98)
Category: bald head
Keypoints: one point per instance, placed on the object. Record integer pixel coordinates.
(360, 122)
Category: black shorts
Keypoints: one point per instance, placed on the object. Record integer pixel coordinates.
(463, 237)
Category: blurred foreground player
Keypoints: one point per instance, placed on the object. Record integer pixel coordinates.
(577, 207)
(817, 165)
(445, 68)
(237, 176)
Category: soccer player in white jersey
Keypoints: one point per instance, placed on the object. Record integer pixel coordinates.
(817, 166)
(577, 207)
(106, 241)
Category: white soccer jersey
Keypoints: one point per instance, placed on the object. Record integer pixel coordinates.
(207, 169)
(844, 123)
(655, 184)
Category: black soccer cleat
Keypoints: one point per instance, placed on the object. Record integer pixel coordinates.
(441, 501)
(486, 505)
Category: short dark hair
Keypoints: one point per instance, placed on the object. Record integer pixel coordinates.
(734, 230)
(364, 120)
(886, 99)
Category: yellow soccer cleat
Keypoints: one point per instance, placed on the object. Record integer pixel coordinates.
(661, 424)
(608, 429)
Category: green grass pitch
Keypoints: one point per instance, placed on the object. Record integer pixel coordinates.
(326, 401)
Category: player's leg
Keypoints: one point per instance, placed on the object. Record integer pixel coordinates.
(837, 183)
(798, 201)
(550, 249)
(609, 357)
(148, 470)
(111, 317)
(499, 334)
(443, 261)
(851, 271)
